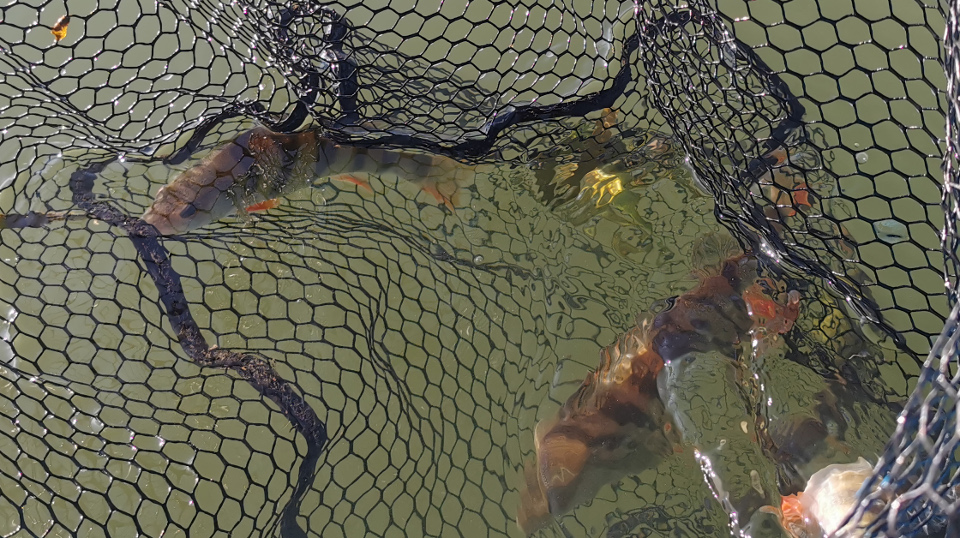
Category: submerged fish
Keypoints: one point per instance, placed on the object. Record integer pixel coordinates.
(785, 186)
(620, 421)
(249, 172)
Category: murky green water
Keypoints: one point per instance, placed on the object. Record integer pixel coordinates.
(115, 433)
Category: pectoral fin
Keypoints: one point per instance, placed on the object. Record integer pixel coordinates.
(350, 178)
(264, 205)
(442, 198)
(801, 196)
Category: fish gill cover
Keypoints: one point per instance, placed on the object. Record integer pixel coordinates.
(352, 364)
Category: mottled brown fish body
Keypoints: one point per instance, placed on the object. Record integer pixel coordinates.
(256, 166)
(712, 317)
(614, 418)
(616, 424)
(337, 159)
(261, 165)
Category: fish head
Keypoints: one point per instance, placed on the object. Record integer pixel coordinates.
(579, 453)
(183, 205)
(614, 425)
(204, 193)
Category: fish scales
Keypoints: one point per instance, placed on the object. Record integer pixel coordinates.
(260, 165)
(617, 422)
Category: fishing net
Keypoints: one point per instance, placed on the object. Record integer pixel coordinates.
(353, 364)
(920, 463)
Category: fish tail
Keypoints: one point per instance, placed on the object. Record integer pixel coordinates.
(534, 512)
(711, 251)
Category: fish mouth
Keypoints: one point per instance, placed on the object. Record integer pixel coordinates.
(162, 223)
(551, 480)
(578, 455)
(180, 219)
(175, 212)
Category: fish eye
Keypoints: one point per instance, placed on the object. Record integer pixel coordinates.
(188, 211)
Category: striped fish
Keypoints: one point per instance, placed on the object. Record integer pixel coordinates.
(251, 171)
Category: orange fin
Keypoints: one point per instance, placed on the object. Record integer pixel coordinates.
(601, 132)
(456, 199)
(786, 212)
(801, 196)
(59, 30)
(441, 198)
(350, 178)
(792, 513)
(264, 205)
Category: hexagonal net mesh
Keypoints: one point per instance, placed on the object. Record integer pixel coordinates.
(919, 466)
(363, 359)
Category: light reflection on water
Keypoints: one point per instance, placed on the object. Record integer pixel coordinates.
(596, 261)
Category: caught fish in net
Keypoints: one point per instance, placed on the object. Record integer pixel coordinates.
(342, 269)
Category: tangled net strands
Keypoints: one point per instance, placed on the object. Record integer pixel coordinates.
(919, 467)
(107, 428)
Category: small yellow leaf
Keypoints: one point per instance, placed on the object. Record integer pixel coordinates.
(59, 30)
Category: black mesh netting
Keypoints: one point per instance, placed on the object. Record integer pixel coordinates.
(372, 360)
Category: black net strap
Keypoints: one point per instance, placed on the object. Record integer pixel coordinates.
(251, 367)
(732, 113)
